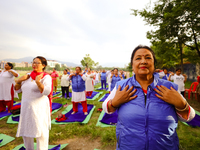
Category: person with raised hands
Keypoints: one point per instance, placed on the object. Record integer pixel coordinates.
(148, 107)
(35, 113)
(78, 90)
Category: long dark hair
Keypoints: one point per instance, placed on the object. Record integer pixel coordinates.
(43, 61)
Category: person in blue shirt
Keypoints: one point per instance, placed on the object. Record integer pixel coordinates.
(114, 78)
(103, 79)
(166, 74)
(148, 107)
(122, 74)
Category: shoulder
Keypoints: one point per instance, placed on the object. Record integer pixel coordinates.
(47, 77)
(167, 83)
(124, 82)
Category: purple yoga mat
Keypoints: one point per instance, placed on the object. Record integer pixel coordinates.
(104, 98)
(195, 122)
(102, 89)
(54, 148)
(94, 93)
(5, 113)
(55, 93)
(54, 107)
(1, 140)
(110, 119)
(79, 116)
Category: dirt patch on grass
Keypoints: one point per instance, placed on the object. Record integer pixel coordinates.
(84, 144)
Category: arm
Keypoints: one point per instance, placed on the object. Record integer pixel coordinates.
(83, 77)
(20, 80)
(161, 74)
(13, 72)
(171, 77)
(185, 76)
(45, 86)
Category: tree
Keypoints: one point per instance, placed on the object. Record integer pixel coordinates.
(88, 62)
(176, 22)
(57, 66)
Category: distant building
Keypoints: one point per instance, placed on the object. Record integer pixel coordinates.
(23, 64)
(2, 64)
(52, 63)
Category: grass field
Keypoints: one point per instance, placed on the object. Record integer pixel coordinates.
(89, 136)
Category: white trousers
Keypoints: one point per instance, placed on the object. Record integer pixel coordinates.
(42, 142)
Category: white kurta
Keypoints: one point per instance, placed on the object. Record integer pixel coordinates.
(6, 82)
(35, 118)
(64, 82)
(89, 82)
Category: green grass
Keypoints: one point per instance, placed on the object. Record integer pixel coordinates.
(189, 137)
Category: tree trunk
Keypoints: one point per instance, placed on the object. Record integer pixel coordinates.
(181, 55)
(196, 44)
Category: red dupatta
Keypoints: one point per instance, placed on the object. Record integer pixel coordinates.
(33, 76)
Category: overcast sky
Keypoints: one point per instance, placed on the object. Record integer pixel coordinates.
(66, 30)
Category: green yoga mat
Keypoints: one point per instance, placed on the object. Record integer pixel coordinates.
(96, 96)
(6, 139)
(100, 124)
(198, 113)
(10, 121)
(67, 110)
(35, 146)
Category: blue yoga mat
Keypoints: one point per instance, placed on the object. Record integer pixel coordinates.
(54, 107)
(110, 119)
(104, 97)
(195, 122)
(1, 140)
(5, 113)
(94, 93)
(102, 89)
(79, 116)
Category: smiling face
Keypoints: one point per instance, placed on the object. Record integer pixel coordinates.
(78, 70)
(143, 62)
(37, 65)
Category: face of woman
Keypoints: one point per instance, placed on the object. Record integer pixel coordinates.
(143, 62)
(65, 72)
(115, 72)
(37, 65)
(78, 70)
(89, 69)
(7, 67)
(178, 72)
(54, 70)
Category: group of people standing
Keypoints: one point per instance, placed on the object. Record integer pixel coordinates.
(148, 107)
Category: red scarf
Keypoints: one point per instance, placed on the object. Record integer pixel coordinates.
(33, 76)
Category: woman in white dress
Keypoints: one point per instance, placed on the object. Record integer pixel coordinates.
(89, 84)
(35, 119)
(7, 83)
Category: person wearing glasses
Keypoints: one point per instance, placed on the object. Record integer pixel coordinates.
(35, 113)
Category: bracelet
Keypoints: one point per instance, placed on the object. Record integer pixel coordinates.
(186, 106)
(112, 105)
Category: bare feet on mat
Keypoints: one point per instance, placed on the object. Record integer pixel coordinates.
(85, 113)
(73, 112)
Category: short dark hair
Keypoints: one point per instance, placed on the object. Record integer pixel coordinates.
(165, 69)
(43, 61)
(10, 64)
(115, 68)
(79, 68)
(145, 47)
(178, 69)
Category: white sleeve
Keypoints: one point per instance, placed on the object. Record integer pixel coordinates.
(191, 114)
(84, 77)
(68, 78)
(15, 72)
(172, 78)
(161, 74)
(47, 82)
(105, 103)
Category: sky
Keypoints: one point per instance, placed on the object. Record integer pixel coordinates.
(67, 30)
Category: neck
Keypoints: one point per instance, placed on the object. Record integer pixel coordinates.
(144, 80)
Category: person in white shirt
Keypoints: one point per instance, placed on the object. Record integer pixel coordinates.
(179, 79)
(7, 84)
(35, 113)
(89, 85)
(64, 84)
